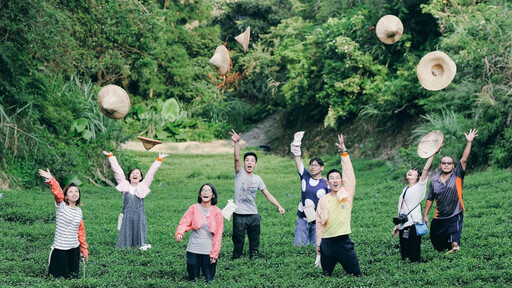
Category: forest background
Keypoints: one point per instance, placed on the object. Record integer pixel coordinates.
(316, 63)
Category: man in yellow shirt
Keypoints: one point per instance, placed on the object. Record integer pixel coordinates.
(333, 219)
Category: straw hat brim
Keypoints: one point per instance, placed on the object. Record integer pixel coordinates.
(243, 39)
(221, 60)
(436, 70)
(114, 102)
(430, 144)
(148, 143)
(389, 29)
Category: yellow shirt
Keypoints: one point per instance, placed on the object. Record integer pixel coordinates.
(338, 222)
(329, 212)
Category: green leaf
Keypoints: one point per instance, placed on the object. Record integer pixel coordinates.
(79, 125)
(87, 135)
(171, 109)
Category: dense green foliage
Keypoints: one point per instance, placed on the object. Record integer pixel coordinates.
(27, 225)
(318, 62)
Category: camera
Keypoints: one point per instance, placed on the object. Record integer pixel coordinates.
(402, 218)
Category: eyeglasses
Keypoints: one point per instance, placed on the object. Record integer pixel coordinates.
(446, 163)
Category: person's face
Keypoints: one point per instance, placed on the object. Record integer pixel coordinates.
(412, 175)
(206, 194)
(315, 168)
(335, 181)
(135, 176)
(249, 164)
(72, 195)
(447, 164)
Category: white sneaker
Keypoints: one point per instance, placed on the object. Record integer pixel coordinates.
(145, 247)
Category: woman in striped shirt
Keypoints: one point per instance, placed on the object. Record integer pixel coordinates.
(69, 243)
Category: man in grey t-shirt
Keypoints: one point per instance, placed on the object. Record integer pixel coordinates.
(246, 215)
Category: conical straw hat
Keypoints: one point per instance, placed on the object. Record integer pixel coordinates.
(221, 60)
(243, 39)
(114, 101)
(436, 70)
(148, 143)
(430, 144)
(389, 29)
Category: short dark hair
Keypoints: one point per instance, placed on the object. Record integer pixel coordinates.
(333, 171)
(318, 160)
(251, 154)
(78, 202)
(141, 174)
(415, 169)
(214, 199)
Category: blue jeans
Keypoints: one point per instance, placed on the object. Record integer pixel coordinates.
(305, 233)
(196, 262)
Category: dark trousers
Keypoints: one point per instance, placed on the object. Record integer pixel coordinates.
(445, 231)
(196, 262)
(410, 247)
(339, 249)
(241, 223)
(65, 263)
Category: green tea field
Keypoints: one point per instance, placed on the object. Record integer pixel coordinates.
(27, 226)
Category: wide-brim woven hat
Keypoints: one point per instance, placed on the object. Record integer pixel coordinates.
(114, 102)
(436, 71)
(221, 60)
(243, 39)
(148, 143)
(389, 29)
(430, 144)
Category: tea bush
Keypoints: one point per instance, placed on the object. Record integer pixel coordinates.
(27, 228)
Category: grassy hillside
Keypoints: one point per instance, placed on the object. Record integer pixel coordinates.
(27, 225)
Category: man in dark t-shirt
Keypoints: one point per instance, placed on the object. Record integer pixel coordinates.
(446, 190)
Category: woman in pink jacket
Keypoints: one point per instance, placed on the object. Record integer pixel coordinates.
(206, 222)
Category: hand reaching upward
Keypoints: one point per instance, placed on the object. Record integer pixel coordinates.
(341, 144)
(46, 174)
(471, 135)
(235, 137)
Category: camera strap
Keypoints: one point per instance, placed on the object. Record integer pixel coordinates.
(403, 202)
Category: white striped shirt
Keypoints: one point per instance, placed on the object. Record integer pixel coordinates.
(66, 232)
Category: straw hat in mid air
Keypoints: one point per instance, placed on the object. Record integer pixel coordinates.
(114, 101)
(243, 39)
(221, 60)
(436, 71)
(389, 29)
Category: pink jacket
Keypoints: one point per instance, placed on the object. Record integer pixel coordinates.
(193, 219)
(124, 185)
(346, 191)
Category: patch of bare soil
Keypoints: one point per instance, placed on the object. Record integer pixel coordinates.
(253, 138)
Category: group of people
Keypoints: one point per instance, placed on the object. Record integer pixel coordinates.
(323, 215)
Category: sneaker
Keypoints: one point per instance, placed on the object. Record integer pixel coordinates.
(145, 247)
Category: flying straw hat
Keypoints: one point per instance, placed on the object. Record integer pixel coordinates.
(243, 39)
(148, 143)
(430, 144)
(221, 60)
(114, 101)
(389, 29)
(436, 70)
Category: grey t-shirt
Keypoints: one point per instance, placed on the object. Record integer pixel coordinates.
(246, 188)
(201, 240)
